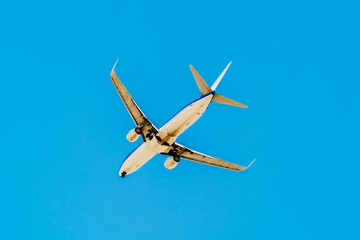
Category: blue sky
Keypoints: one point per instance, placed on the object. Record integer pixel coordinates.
(295, 64)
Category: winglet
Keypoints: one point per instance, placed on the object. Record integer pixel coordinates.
(251, 163)
(112, 70)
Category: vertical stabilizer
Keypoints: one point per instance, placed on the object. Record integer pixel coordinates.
(216, 83)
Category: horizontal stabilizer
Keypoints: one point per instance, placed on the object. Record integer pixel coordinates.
(224, 100)
(203, 86)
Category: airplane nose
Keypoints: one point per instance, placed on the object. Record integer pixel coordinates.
(122, 174)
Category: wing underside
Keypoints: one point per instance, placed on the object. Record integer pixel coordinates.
(135, 112)
(186, 153)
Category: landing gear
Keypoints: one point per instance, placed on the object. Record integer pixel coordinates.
(123, 174)
(138, 130)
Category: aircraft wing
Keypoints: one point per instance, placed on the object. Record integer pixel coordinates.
(135, 112)
(186, 153)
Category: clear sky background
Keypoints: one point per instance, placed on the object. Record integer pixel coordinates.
(63, 125)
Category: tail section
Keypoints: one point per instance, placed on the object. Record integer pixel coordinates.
(224, 100)
(204, 88)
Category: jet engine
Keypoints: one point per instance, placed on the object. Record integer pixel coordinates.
(171, 162)
(133, 135)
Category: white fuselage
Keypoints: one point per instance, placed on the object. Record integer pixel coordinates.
(168, 133)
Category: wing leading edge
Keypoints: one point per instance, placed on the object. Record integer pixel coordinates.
(135, 112)
(186, 153)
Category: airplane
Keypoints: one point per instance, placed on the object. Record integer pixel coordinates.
(163, 140)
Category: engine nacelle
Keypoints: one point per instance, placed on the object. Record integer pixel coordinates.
(171, 162)
(133, 135)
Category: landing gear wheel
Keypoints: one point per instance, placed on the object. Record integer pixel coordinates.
(138, 130)
(123, 174)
